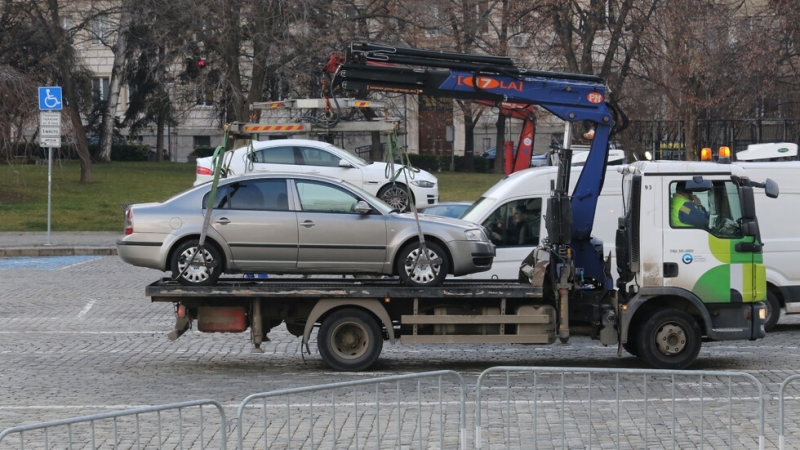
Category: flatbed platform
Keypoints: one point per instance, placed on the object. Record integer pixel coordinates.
(166, 290)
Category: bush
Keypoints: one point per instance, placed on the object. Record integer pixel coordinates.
(203, 152)
(431, 163)
(121, 152)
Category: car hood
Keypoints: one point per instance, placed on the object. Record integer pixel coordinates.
(377, 171)
(425, 218)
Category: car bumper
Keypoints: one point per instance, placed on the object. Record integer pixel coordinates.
(142, 253)
(472, 257)
(425, 196)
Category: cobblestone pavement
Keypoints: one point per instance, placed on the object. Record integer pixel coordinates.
(80, 337)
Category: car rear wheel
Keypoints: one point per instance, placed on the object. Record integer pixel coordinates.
(773, 311)
(350, 339)
(193, 269)
(415, 270)
(396, 196)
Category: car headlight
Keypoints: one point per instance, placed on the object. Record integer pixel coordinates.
(423, 183)
(475, 235)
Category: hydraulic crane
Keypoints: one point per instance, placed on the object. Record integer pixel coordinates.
(492, 79)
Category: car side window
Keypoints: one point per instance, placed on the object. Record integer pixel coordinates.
(316, 157)
(245, 195)
(516, 223)
(323, 197)
(274, 155)
(221, 201)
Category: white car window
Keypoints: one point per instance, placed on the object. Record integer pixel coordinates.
(321, 197)
(274, 155)
(317, 157)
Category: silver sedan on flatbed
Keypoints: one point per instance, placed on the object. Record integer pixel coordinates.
(297, 224)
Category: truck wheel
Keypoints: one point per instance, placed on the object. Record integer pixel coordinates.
(773, 311)
(199, 272)
(350, 340)
(631, 347)
(396, 196)
(423, 275)
(670, 339)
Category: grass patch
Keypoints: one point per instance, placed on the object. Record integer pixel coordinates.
(98, 206)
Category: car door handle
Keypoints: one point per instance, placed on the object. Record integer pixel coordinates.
(307, 224)
(223, 221)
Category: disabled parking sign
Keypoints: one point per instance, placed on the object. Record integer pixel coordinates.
(50, 98)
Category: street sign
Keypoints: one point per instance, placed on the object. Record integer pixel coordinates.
(50, 141)
(50, 119)
(50, 131)
(50, 98)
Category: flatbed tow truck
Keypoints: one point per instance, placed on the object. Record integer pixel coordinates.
(677, 286)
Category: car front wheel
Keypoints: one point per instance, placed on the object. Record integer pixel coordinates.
(415, 269)
(396, 196)
(193, 269)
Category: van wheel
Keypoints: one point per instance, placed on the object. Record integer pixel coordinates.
(396, 196)
(773, 311)
(414, 271)
(350, 340)
(203, 269)
(670, 339)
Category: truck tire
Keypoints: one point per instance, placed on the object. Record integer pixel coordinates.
(773, 311)
(195, 275)
(350, 340)
(631, 347)
(669, 339)
(423, 275)
(396, 196)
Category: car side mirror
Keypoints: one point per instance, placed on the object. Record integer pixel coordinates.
(344, 163)
(363, 207)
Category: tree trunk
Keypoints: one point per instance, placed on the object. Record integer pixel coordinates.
(161, 121)
(469, 143)
(690, 120)
(114, 86)
(376, 152)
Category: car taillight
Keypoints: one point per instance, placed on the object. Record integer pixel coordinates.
(129, 221)
(204, 171)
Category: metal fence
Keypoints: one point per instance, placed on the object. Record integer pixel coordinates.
(559, 407)
(514, 407)
(176, 425)
(405, 411)
(782, 399)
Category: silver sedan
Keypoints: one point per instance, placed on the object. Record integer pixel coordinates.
(297, 224)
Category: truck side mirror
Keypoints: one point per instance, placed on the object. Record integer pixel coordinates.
(771, 188)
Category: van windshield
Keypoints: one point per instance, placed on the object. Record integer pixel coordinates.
(478, 210)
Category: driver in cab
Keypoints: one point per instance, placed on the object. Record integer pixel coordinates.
(686, 210)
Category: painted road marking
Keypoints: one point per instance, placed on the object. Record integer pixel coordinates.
(45, 262)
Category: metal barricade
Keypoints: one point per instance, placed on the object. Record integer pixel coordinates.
(563, 407)
(781, 407)
(132, 428)
(344, 417)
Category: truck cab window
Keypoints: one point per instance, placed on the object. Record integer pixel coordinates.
(716, 210)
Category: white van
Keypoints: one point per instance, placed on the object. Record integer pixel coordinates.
(780, 229)
(529, 190)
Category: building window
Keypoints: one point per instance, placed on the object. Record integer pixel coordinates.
(204, 95)
(100, 88)
(202, 141)
(99, 30)
(66, 23)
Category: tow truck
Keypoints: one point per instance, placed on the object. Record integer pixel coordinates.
(676, 287)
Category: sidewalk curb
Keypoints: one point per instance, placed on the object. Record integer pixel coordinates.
(55, 251)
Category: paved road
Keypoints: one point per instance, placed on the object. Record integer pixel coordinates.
(78, 336)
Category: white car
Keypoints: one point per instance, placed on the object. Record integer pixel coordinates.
(320, 158)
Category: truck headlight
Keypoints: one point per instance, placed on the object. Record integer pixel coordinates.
(475, 235)
(423, 183)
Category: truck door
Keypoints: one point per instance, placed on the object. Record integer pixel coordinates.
(704, 257)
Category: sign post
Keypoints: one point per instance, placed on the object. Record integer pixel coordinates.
(50, 103)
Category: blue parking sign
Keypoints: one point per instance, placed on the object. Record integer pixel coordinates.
(50, 98)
